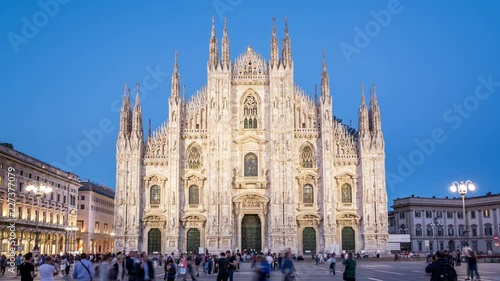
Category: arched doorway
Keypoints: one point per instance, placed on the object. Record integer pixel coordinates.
(451, 246)
(193, 240)
(251, 239)
(154, 240)
(348, 240)
(308, 240)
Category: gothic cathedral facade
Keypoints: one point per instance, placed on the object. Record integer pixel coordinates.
(251, 162)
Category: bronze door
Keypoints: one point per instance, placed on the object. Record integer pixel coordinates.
(251, 233)
(193, 240)
(309, 240)
(348, 240)
(154, 240)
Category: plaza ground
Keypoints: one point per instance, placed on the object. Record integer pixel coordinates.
(367, 269)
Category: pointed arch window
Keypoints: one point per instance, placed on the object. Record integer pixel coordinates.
(193, 158)
(250, 113)
(251, 165)
(154, 197)
(194, 195)
(346, 193)
(308, 194)
(307, 157)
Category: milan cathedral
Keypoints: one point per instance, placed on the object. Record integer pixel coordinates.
(251, 162)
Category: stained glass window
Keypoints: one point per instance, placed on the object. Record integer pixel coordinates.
(308, 194)
(194, 195)
(251, 165)
(155, 195)
(307, 155)
(193, 158)
(250, 113)
(346, 193)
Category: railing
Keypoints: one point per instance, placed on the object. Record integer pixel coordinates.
(488, 258)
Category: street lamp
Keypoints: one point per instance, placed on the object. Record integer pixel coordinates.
(437, 223)
(462, 189)
(39, 190)
(70, 229)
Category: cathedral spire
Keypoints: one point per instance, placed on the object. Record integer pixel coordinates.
(226, 59)
(176, 81)
(137, 115)
(149, 128)
(363, 114)
(213, 56)
(125, 114)
(286, 53)
(325, 80)
(375, 122)
(274, 47)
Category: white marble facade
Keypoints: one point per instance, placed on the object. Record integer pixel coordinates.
(251, 147)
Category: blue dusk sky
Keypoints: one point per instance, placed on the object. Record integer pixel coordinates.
(435, 64)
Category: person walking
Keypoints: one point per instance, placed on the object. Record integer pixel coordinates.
(222, 267)
(170, 269)
(27, 269)
(441, 268)
(332, 260)
(350, 268)
(472, 261)
(3, 264)
(287, 268)
(233, 264)
(145, 269)
(47, 270)
(83, 270)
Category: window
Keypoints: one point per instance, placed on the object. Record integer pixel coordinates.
(474, 245)
(251, 165)
(429, 231)
(20, 187)
(401, 215)
(418, 230)
(79, 224)
(28, 214)
(64, 199)
(194, 195)
(402, 229)
(489, 246)
(20, 213)
(44, 217)
(486, 213)
(250, 113)
(58, 198)
(29, 176)
(488, 230)
(57, 219)
(461, 230)
(439, 214)
(428, 214)
(96, 228)
(451, 231)
(308, 194)
(307, 157)
(194, 159)
(431, 246)
(418, 214)
(82, 207)
(441, 246)
(440, 231)
(105, 228)
(155, 195)
(472, 214)
(474, 230)
(449, 215)
(51, 218)
(419, 243)
(82, 197)
(460, 215)
(346, 193)
(21, 172)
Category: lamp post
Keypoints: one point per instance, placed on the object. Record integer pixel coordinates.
(462, 189)
(70, 229)
(437, 223)
(39, 190)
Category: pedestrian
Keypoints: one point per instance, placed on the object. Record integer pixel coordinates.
(170, 269)
(233, 264)
(47, 270)
(222, 267)
(441, 268)
(83, 270)
(472, 261)
(3, 264)
(19, 261)
(145, 269)
(27, 268)
(350, 268)
(287, 268)
(332, 261)
(459, 258)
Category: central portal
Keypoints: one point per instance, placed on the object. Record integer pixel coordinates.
(251, 239)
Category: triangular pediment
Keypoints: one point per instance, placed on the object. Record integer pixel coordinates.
(308, 175)
(250, 138)
(194, 176)
(155, 178)
(346, 175)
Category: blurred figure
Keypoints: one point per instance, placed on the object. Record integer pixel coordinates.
(472, 261)
(288, 269)
(170, 269)
(47, 270)
(350, 268)
(3, 264)
(145, 270)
